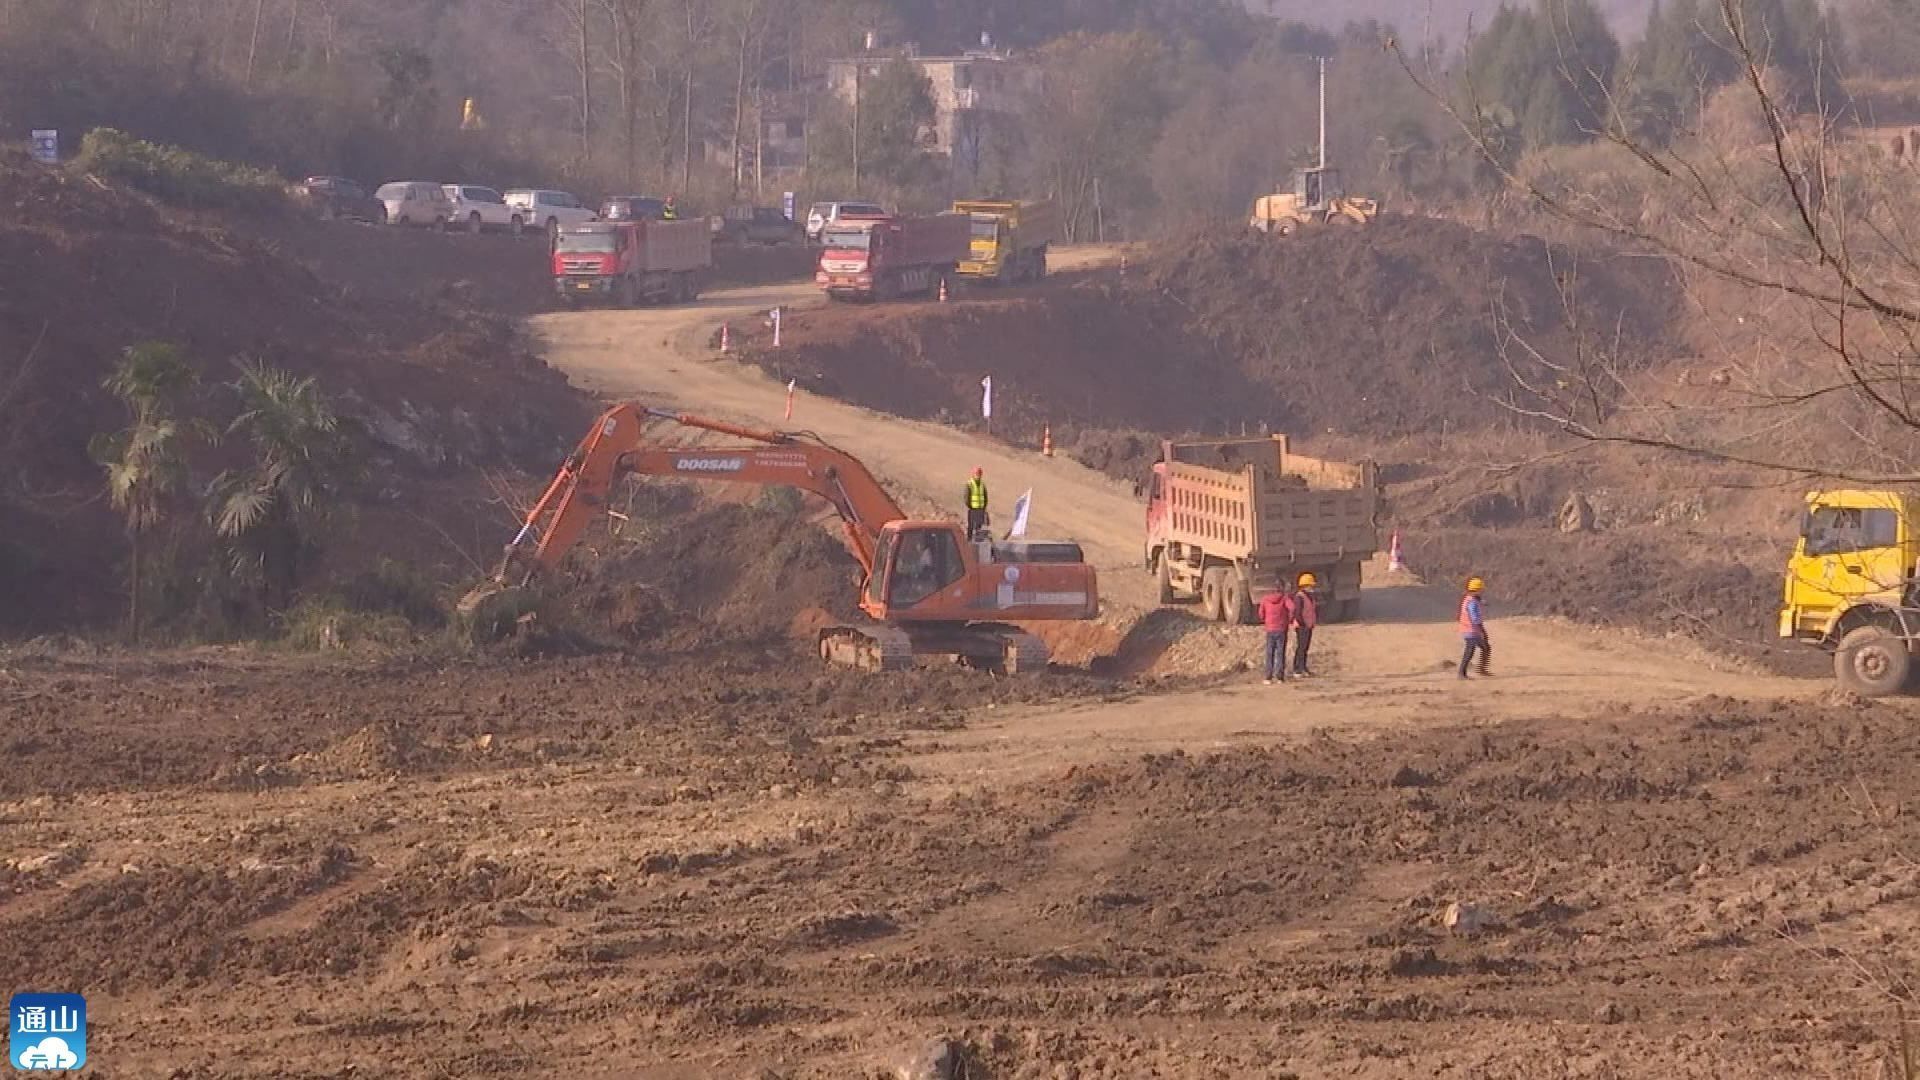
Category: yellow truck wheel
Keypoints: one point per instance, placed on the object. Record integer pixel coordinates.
(1872, 661)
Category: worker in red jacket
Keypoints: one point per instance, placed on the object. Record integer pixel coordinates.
(1306, 616)
(1276, 614)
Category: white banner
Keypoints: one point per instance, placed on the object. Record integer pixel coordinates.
(986, 397)
(1020, 507)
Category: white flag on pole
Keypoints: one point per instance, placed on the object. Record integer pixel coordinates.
(1020, 507)
(986, 397)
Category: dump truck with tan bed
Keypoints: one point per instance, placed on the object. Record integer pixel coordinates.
(1010, 239)
(1228, 519)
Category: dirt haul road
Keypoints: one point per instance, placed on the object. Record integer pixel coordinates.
(1394, 667)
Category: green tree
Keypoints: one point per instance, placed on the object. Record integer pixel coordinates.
(145, 462)
(1883, 36)
(1551, 65)
(1687, 52)
(896, 113)
(1408, 154)
(269, 508)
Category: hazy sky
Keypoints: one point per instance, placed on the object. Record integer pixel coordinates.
(1448, 17)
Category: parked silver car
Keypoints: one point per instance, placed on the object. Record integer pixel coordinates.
(480, 208)
(549, 209)
(416, 202)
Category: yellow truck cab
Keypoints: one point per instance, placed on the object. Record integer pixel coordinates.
(1850, 586)
(1010, 239)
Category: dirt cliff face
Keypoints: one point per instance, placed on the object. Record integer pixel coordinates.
(1408, 326)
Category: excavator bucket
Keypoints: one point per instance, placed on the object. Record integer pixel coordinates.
(492, 611)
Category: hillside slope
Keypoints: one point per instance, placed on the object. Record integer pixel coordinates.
(432, 389)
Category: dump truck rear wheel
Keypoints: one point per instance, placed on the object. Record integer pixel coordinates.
(1164, 572)
(1239, 604)
(1213, 593)
(1872, 661)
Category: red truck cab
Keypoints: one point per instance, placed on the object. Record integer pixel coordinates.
(884, 256)
(851, 249)
(587, 258)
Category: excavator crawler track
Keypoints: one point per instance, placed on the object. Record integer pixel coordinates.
(1025, 654)
(869, 648)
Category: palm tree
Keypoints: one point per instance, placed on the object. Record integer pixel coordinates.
(145, 463)
(268, 507)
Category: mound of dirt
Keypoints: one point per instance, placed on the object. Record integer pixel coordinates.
(1391, 330)
(724, 573)
(1655, 579)
(429, 386)
(1402, 327)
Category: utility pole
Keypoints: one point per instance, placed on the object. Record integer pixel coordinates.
(1323, 111)
(859, 63)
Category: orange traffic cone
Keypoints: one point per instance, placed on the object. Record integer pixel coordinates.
(726, 338)
(1395, 564)
(1046, 441)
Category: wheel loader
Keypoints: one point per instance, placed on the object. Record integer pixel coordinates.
(1317, 198)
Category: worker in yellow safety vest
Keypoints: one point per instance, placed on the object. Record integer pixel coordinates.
(977, 504)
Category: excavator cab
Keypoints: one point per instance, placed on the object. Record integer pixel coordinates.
(912, 565)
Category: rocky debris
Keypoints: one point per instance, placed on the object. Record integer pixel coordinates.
(52, 863)
(1576, 514)
(1839, 697)
(938, 1059)
(1406, 776)
(1467, 919)
(1416, 962)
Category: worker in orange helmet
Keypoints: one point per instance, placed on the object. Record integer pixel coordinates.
(1306, 616)
(977, 504)
(1473, 629)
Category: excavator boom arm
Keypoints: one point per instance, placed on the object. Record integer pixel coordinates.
(614, 447)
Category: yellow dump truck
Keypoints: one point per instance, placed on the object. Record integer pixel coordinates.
(1228, 519)
(1010, 239)
(1850, 586)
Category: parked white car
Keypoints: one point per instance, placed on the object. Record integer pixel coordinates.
(823, 214)
(549, 209)
(479, 208)
(416, 202)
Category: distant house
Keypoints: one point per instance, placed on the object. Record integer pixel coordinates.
(968, 91)
(781, 149)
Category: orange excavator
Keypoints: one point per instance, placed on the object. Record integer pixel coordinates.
(929, 588)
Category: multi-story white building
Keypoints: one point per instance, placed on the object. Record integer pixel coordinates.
(968, 90)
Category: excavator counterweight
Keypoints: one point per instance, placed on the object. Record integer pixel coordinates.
(928, 588)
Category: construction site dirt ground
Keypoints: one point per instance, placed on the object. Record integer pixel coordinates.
(702, 856)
